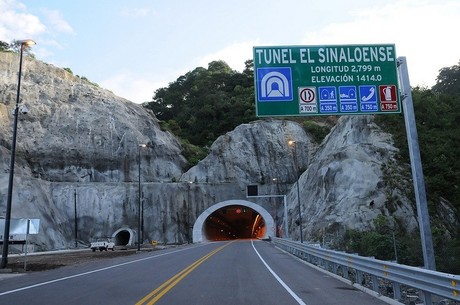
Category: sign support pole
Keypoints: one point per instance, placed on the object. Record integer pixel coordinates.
(416, 166)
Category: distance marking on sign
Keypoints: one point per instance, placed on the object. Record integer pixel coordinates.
(388, 98)
(327, 99)
(348, 99)
(368, 98)
(307, 100)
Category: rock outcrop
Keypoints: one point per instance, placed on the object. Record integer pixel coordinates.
(347, 183)
(79, 146)
(75, 134)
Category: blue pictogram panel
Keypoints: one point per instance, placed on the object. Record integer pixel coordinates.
(274, 84)
(327, 99)
(368, 98)
(348, 99)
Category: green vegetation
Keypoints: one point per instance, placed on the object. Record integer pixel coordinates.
(87, 80)
(383, 243)
(206, 103)
(448, 81)
(437, 114)
(386, 243)
(437, 117)
(316, 129)
(4, 46)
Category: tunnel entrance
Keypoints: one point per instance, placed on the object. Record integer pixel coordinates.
(233, 219)
(123, 237)
(234, 222)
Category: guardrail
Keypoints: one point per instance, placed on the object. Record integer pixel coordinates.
(350, 265)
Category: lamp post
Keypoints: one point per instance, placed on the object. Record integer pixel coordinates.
(75, 217)
(293, 143)
(189, 226)
(6, 234)
(139, 196)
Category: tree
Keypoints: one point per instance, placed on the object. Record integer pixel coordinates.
(205, 103)
(448, 80)
(4, 46)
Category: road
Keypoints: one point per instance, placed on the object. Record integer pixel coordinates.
(224, 273)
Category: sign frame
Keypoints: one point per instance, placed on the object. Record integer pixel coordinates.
(326, 80)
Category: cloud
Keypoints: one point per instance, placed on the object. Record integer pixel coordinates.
(135, 88)
(56, 21)
(16, 24)
(234, 55)
(417, 31)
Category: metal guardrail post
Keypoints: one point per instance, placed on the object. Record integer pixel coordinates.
(396, 291)
(345, 272)
(375, 283)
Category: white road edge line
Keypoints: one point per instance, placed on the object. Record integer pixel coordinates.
(295, 296)
(93, 271)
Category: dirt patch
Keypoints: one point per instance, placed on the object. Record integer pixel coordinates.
(56, 260)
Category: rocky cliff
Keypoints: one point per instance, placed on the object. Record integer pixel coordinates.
(79, 147)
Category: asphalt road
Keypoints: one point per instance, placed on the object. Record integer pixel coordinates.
(224, 273)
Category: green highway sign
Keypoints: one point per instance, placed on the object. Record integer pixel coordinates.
(326, 80)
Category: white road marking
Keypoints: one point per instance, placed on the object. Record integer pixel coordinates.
(90, 272)
(289, 290)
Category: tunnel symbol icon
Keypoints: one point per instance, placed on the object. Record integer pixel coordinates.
(274, 84)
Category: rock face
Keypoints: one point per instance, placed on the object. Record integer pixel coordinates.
(79, 146)
(255, 153)
(75, 133)
(347, 183)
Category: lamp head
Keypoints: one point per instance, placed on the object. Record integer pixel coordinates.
(24, 109)
(27, 42)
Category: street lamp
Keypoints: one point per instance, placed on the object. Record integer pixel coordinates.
(189, 224)
(140, 200)
(293, 143)
(6, 234)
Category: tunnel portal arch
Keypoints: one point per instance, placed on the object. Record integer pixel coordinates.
(198, 227)
(123, 237)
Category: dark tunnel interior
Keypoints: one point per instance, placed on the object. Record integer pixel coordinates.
(122, 238)
(234, 222)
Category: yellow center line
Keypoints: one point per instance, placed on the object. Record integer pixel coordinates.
(159, 292)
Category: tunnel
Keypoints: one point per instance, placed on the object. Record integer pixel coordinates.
(123, 237)
(233, 219)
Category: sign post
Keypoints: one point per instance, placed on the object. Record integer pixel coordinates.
(416, 166)
(326, 80)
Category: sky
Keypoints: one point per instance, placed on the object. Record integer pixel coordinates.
(135, 47)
